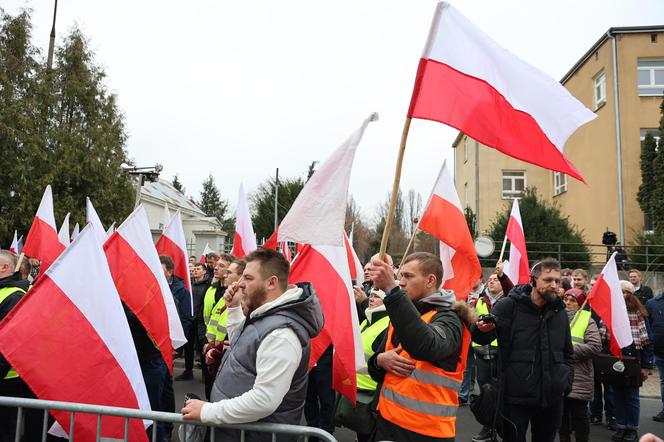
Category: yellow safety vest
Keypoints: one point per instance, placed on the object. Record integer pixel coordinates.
(215, 316)
(482, 309)
(4, 294)
(369, 335)
(580, 326)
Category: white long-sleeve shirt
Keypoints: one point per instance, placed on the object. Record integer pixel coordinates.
(277, 358)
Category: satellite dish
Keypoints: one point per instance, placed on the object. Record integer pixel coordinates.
(484, 246)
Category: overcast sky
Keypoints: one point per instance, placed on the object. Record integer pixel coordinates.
(238, 88)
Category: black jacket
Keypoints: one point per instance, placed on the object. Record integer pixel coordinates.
(182, 299)
(8, 304)
(146, 349)
(655, 318)
(198, 289)
(644, 293)
(536, 348)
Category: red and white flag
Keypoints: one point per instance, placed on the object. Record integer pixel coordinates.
(75, 231)
(271, 242)
(91, 217)
(13, 247)
(110, 230)
(316, 219)
(244, 241)
(63, 234)
(172, 243)
(140, 281)
(206, 250)
(285, 250)
(42, 241)
(518, 270)
(82, 340)
(606, 299)
(354, 264)
(444, 219)
(467, 81)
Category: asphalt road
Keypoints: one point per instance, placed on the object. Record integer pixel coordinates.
(466, 425)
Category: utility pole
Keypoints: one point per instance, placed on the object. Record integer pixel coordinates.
(51, 43)
(276, 201)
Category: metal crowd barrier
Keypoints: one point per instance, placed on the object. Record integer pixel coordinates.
(155, 416)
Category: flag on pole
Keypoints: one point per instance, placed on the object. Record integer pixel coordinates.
(518, 270)
(63, 234)
(13, 247)
(271, 242)
(42, 241)
(354, 264)
(172, 243)
(285, 250)
(140, 281)
(20, 244)
(91, 217)
(316, 219)
(244, 241)
(75, 232)
(467, 81)
(82, 338)
(206, 250)
(444, 219)
(606, 299)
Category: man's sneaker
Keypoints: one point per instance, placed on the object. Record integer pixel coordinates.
(611, 423)
(659, 417)
(483, 436)
(186, 375)
(630, 436)
(619, 436)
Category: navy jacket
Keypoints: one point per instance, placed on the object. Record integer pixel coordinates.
(655, 308)
(182, 299)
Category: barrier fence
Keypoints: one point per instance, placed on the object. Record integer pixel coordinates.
(303, 432)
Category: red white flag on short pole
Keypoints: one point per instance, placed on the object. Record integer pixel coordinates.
(42, 241)
(172, 243)
(63, 234)
(140, 281)
(14, 245)
(206, 251)
(518, 270)
(316, 219)
(79, 334)
(244, 241)
(444, 219)
(606, 299)
(91, 217)
(467, 81)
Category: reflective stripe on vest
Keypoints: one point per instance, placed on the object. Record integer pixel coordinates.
(425, 402)
(369, 335)
(5, 292)
(580, 326)
(482, 309)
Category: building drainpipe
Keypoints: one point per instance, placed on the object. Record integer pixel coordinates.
(621, 210)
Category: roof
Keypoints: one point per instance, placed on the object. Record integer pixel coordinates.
(608, 34)
(163, 190)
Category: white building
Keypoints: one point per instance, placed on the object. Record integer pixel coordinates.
(199, 229)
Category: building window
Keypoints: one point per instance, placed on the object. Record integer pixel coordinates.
(465, 149)
(600, 90)
(514, 183)
(559, 183)
(650, 74)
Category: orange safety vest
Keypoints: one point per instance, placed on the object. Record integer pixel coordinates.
(426, 402)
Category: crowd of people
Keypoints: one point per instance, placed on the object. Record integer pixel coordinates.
(537, 352)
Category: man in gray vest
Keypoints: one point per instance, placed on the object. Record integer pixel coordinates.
(263, 375)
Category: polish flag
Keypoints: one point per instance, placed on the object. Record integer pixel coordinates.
(91, 217)
(316, 220)
(518, 271)
(14, 245)
(63, 234)
(42, 241)
(606, 299)
(111, 229)
(75, 232)
(20, 244)
(285, 250)
(467, 81)
(83, 341)
(172, 243)
(141, 283)
(271, 242)
(354, 264)
(444, 219)
(206, 250)
(244, 241)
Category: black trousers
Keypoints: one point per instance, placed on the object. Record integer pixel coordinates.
(544, 422)
(189, 348)
(33, 419)
(575, 420)
(319, 405)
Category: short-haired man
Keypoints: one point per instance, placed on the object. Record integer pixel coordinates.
(580, 280)
(210, 261)
(422, 359)
(263, 376)
(535, 346)
(643, 292)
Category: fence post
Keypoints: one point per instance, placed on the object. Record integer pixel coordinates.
(647, 263)
(559, 248)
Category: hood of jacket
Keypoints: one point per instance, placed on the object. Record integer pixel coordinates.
(445, 299)
(15, 281)
(521, 294)
(300, 303)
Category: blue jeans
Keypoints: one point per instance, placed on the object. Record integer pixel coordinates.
(596, 405)
(626, 407)
(659, 362)
(156, 375)
(468, 383)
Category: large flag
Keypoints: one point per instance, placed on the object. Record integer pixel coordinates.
(271, 242)
(42, 241)
(244, 241)
(606, 299)
(82, 342)
(518, 270)
(468, 81)
(316, 219)
(141, 283)
(91, 217)
(444, 219)
(172, 243)
(63, 234)
(13, 247)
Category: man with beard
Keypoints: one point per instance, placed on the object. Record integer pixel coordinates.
(263, 376)
(535, 347)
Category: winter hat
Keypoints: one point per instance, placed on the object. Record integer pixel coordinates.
(578, 294)
(379, 293)
(627, 286)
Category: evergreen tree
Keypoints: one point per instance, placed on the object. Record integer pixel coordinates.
(211, 202)
(177, 184)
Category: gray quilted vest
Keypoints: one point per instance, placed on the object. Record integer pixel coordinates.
(237, 372)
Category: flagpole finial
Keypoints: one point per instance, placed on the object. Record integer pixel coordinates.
(373, 116)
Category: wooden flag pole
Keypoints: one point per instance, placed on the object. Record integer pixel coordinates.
(395, 190)
(576, 315)
(19, 262)
(410, 243)
(502, 249)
